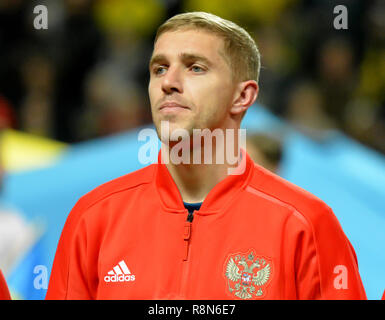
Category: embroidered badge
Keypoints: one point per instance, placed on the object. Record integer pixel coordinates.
(248, 275)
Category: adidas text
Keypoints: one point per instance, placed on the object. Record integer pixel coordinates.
(119, 273)
(120, 278)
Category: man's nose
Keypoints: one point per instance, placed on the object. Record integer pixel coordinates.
(172, 81)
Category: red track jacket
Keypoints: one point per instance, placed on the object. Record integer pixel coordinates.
(256, 236)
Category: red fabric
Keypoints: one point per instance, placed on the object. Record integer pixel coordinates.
(4, 292)
(255, 236)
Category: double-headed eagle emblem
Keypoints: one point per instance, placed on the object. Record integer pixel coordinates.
(247, 277)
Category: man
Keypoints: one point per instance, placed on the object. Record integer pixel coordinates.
(197, 229)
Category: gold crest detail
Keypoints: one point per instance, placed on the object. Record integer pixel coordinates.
(248, 275)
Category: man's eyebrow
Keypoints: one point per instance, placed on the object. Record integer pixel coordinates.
(156, 59)
(184, 57)
(195, 57)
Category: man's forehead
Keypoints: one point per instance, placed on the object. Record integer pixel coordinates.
(189, 33)
(189, 43)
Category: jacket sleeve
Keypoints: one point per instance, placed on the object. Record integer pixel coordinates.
(68, 278)
(325, 262)
(4, 292)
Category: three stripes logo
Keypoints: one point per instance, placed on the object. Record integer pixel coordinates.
(119, 273)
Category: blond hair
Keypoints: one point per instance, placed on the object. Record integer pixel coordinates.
(240, 48)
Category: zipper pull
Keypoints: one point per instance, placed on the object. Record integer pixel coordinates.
(186, 238)
(190, 217)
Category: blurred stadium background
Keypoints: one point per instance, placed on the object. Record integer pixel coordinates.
(73, 98)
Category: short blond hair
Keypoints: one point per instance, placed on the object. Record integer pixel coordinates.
(240, 48)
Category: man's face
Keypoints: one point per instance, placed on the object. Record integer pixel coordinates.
(191, 83)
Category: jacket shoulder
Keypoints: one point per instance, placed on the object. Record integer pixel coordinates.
(126, 182)
(290, 195)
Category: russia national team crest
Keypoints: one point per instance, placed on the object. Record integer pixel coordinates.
(248, 275)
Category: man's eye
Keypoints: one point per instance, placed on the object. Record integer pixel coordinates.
(159, 70)
(196, 69)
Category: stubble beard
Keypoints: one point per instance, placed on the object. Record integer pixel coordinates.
(174, 125)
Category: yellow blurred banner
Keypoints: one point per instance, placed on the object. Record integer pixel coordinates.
(22, 151)
(134, 16)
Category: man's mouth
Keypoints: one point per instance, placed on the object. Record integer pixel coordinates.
(171, 106)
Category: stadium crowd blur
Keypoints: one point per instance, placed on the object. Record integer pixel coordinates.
(86, 76)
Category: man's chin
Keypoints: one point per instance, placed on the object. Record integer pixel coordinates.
(173, 131)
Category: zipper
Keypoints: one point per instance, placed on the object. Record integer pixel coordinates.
(187, 234)
(190, 217)
(185, 261)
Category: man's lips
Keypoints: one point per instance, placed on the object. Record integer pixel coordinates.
(171, 106)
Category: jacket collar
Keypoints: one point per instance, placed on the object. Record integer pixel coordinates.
(218, 198)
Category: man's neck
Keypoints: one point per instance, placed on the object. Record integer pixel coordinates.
(195, 181)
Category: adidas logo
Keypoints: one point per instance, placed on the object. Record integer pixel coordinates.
(119, 273)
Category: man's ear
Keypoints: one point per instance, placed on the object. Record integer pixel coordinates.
(245, 96)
